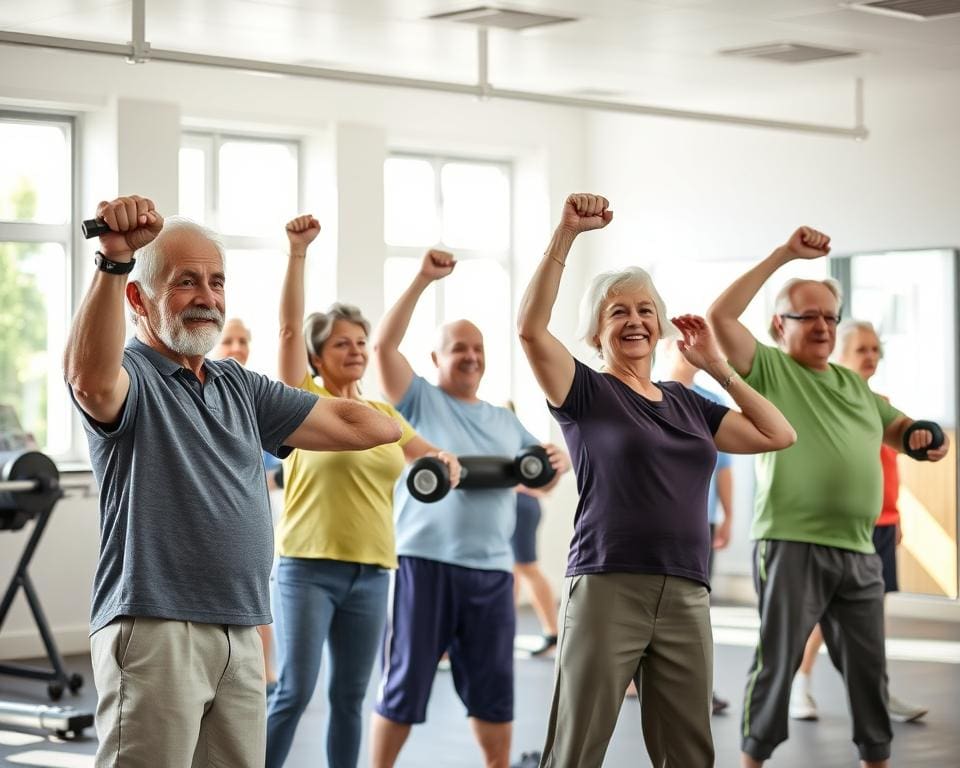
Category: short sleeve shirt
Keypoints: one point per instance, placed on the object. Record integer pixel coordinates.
(185, 527)
(724, 461)
(827, 488)
(338, 505)
(466, 528)
(643, 470)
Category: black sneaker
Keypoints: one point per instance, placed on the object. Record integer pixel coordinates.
(549, 643)
(528, 760)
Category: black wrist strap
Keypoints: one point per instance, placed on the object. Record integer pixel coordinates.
(113, 267)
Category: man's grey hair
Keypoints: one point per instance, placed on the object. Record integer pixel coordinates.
(319, 325)
(783, 304)
(151, 258)
(848, 328)
(608, 284)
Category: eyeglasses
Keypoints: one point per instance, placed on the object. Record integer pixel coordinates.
(812, 317)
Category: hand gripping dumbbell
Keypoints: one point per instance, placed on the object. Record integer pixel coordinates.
(920, 454)
(429, 480)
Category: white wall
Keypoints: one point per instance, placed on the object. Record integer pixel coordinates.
(129, 132)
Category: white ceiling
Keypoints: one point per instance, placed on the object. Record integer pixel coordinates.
(638, 50)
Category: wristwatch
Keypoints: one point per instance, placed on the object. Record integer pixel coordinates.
(113, 267)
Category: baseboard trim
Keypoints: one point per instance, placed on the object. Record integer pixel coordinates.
(26, 643)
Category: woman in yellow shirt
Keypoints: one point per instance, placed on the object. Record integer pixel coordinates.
(335, 537)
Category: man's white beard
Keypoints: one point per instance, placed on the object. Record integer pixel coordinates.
(190, 342)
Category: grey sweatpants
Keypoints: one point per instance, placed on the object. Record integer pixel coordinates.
(799, 585)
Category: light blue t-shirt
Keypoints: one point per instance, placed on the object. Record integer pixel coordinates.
(724, 461)
(467, 528)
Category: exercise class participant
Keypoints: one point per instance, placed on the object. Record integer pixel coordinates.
(335, 537)
(234, 343)
(720, 493)
(816, 503)
(861, 351)
(453, 590)
(527, 569)
(185, 531)
(635, 603)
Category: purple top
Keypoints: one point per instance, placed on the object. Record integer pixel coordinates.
(643, 470)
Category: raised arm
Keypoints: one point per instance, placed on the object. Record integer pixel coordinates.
(393, 368)
(341, 424)
(94, 350)
(759, 427)
(551, 362)
(737, 343)
(293, 363)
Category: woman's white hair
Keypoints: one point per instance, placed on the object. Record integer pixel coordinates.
(151, 258)
(848, 328)
(783, 304)
(608, 284)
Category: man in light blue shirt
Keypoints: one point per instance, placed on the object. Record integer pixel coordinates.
(454, 586)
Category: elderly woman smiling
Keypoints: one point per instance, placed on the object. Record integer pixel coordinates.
(635, 600)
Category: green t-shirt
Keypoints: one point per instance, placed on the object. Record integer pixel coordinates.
(827, 488)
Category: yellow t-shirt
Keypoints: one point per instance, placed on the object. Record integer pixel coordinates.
(338, 505)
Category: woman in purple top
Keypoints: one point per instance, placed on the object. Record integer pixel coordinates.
(635, 599)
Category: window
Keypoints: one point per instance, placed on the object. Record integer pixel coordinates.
(462, 206)
(246, 189)
(36, 225)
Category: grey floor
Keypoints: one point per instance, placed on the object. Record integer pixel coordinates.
(445, 741)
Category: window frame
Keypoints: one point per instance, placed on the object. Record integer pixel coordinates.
(67, 236)
(210, 143)
(505, 257)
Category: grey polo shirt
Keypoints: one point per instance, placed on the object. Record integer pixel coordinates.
(185, 529)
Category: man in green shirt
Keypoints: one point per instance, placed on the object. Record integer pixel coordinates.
(816, 504)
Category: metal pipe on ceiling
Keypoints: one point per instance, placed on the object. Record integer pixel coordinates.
(481, 90)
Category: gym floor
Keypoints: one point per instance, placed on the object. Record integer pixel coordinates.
(924, 668)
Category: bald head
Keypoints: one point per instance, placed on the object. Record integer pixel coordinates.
(459, 356)
(234, 341)
(456, 330)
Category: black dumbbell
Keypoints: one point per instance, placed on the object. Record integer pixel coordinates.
(920, 454)
(94, 228)
(429, 480)
(532, 467)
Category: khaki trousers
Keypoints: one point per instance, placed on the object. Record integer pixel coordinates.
(177, 694)
(622, 626)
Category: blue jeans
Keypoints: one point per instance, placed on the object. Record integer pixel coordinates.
(343, 605)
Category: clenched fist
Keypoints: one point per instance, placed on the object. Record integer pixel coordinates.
(583, 212)
(807, 243)
(302, 231)
(133, 222)
(437, 264)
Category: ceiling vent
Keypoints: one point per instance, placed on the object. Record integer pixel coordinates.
(501, 18)
(789, 53)
(916, 10)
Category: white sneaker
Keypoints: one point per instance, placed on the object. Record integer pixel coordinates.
(904, 712)
(802, 704)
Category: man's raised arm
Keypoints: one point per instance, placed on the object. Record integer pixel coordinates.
(393, 368)
(94, 351)
(735, 340)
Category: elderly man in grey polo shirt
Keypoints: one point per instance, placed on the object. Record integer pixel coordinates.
(186, 541)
